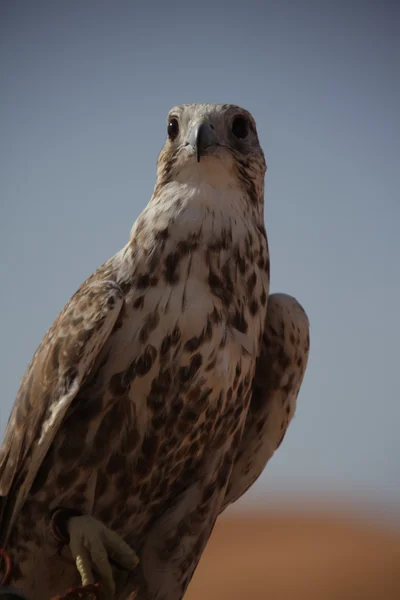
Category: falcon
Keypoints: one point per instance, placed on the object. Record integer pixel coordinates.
(164, 386)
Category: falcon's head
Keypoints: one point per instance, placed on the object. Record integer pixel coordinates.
(212, 143)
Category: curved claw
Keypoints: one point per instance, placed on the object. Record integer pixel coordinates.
(92, 544)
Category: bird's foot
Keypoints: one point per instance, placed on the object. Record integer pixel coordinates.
(92, 544)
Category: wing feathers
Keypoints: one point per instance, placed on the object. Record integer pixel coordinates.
(52, 380)
(279, 374)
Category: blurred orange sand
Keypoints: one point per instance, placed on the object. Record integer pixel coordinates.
(284, 556)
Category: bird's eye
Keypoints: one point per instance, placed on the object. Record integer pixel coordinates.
(240, 127)
(173, 128)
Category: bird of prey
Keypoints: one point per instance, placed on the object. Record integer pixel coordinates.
(164, 386)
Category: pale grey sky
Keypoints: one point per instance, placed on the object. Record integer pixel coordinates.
(85, 90)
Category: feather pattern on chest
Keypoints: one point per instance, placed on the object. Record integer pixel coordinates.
(174, 376)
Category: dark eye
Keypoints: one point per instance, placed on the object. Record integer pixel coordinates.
(240, 127)
(173, 128)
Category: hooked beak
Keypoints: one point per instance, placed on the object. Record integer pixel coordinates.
(202, 137)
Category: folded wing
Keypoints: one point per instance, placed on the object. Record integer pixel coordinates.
(57, 370)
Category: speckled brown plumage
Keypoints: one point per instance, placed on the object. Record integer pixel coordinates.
(168, 380)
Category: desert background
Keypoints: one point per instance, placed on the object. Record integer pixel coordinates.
(310, 554)
(85, 92)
